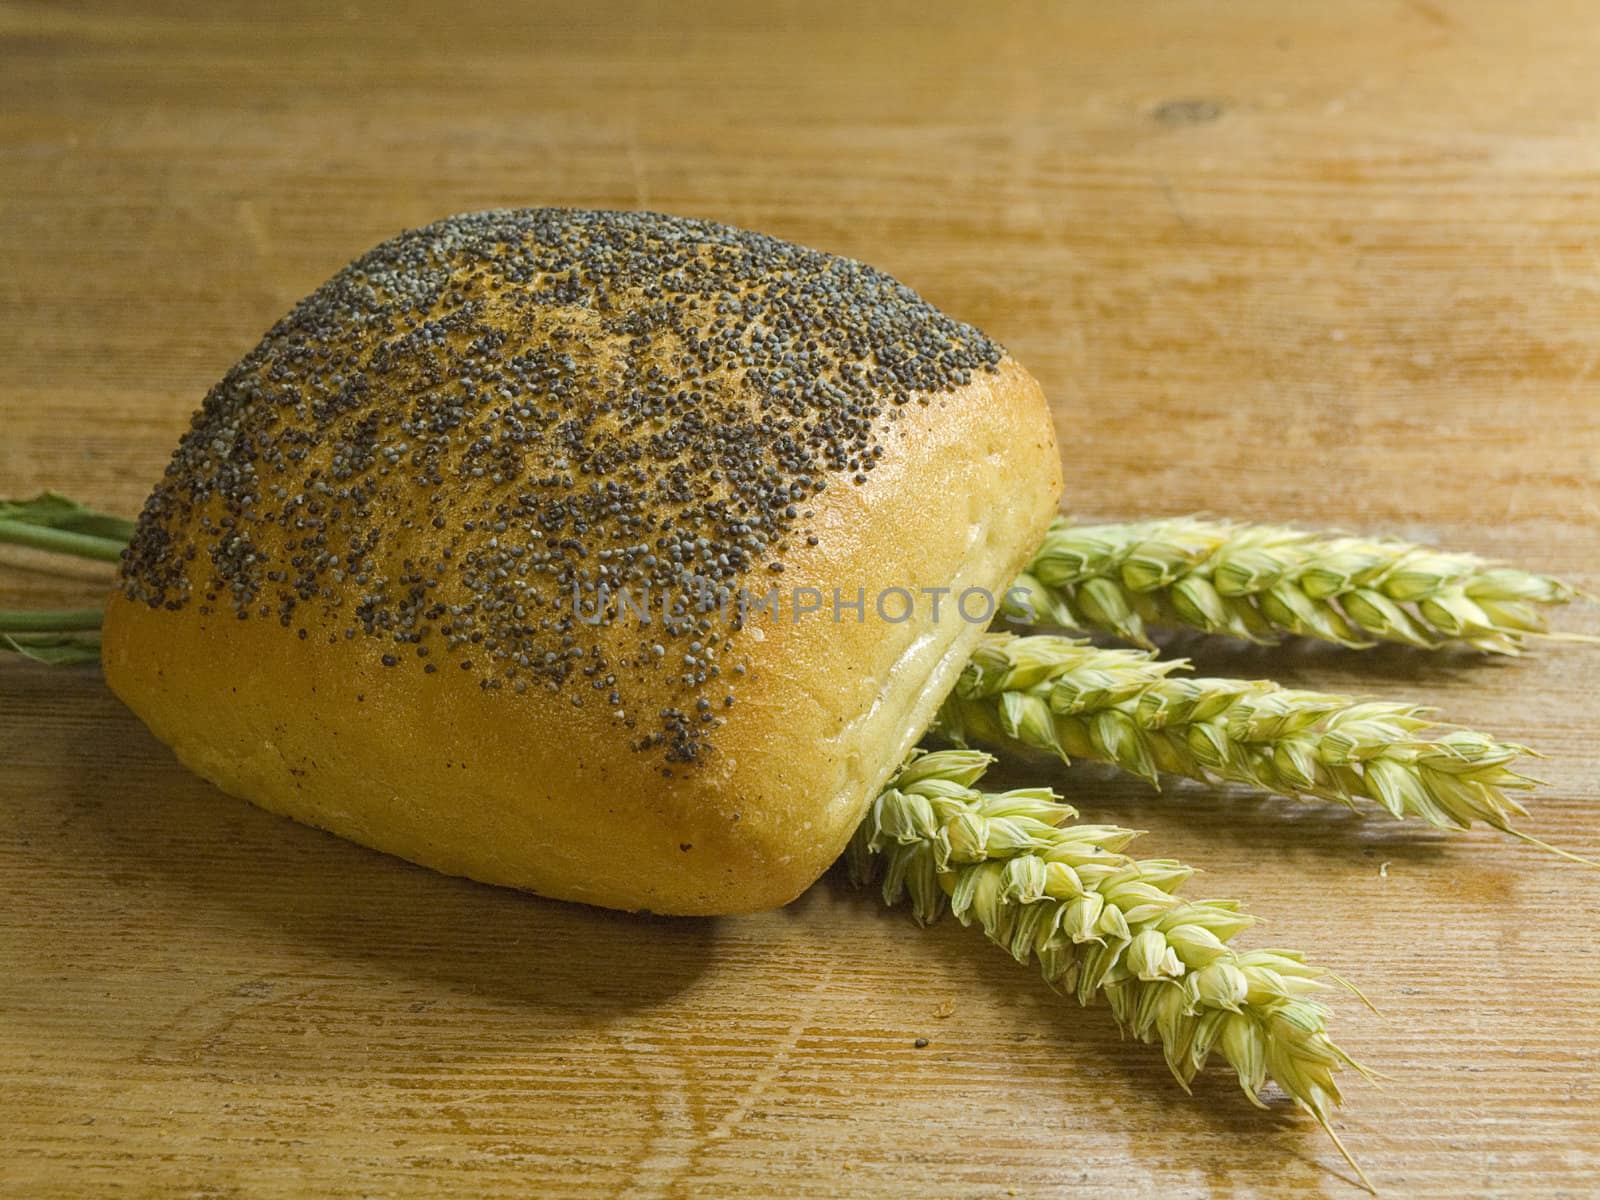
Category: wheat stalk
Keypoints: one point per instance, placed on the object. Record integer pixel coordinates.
(55, 649)
(1100, 923)
(1261, 582)
(1124, 707)
(55, 523)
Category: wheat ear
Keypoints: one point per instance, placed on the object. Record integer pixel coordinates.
(1100, 923)
(1261, 582)
(1124, 707)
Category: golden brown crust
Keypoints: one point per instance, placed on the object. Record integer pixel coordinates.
(699, 765)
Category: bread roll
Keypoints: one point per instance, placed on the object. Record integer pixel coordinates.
(407, 575)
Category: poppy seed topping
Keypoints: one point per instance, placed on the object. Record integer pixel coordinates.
(460, 445)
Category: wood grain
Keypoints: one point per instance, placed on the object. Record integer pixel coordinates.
(1333, 264)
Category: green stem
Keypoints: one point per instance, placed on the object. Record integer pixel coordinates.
(57, 620)
(53, 649)
(61, 541)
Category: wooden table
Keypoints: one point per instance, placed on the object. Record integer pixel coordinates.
(1332, 264)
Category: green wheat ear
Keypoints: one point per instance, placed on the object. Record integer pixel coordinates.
(1124, 707)
(1102, 924)
(1262, 582)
